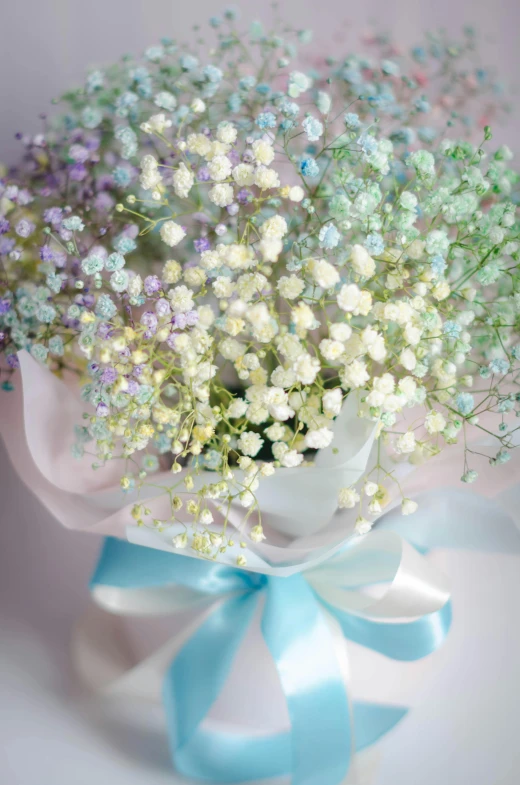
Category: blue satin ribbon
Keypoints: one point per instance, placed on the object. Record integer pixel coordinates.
(325, 727)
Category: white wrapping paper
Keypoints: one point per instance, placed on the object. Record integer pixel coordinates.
(35, 425)
(298, 505)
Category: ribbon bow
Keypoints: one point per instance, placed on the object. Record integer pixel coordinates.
(305, 617)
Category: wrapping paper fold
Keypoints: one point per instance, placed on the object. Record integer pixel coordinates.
(313, 586)
(298, 505)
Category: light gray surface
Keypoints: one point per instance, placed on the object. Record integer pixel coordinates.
(45, 738)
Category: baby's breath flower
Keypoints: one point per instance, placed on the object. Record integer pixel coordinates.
(363, 525)
(257, 534)
(434, 422)
(172, 233)
(313, 128)
(324, 259)
(408, 506)
(250, 443)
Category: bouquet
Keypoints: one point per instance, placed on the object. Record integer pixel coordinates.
(257, 298)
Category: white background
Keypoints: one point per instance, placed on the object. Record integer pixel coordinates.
(464, 723)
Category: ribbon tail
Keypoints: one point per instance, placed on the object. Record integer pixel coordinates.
(299, 639)
(373, 720)
(220, 757)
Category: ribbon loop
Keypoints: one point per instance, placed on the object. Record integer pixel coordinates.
(198, 672)
(127, 566)
(414, 586)
(405, 641)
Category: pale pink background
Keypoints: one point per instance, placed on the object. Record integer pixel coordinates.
(45, 46)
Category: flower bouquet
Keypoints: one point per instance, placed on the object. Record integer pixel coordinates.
(253, 312)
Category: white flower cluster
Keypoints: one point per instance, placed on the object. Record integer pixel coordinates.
(302, 323)
(317, 259)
